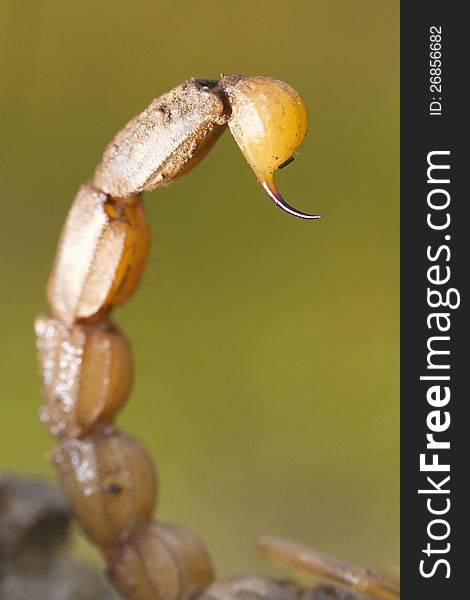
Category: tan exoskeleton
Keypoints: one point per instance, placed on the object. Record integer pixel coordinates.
(86, 362)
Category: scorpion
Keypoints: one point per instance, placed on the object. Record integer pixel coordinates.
(86, 363)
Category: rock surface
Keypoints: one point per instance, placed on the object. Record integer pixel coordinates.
(34, 560)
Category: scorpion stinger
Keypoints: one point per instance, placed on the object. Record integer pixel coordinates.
(268, 121)
(270, 188)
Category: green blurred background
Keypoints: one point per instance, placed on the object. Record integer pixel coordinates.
(266, 347)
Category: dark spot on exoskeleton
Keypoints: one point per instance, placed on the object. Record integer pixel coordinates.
(165, 110)
(206, 84)
(286, 162)
(113, 488)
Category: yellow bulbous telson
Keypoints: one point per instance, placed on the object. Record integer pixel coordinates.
(269, 122)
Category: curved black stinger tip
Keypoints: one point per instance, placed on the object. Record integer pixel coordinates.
(274, 194)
